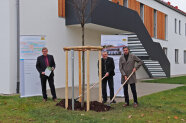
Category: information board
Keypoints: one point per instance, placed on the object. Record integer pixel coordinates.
(30, 49)
(114, 44)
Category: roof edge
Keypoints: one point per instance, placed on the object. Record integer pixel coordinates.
(171, 7)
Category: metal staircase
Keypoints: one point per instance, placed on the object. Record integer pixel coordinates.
(153, 67)
(110, 15)
(136, 46)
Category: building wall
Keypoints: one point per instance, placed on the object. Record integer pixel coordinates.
(40, 17)
(44, 20)
(13, 46)
(8, 46)
(149, 19)
(173, 41)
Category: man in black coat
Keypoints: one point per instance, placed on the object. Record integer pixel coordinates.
(42, 63)
(108, 71)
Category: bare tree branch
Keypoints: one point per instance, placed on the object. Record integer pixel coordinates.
(81, 9)
(92, 9)
(83, 14)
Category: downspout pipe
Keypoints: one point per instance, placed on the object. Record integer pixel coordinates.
(18, 46)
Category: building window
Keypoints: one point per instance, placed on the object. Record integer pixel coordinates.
(175, 22)
(142, 11)
(185, 57)
(155, 23)
(176, 56)
(125, 3)
(166, 27)
(119, 2)
(185, 29)
(180, 27)
(165, 50)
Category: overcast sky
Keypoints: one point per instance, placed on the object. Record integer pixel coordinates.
(180, 3)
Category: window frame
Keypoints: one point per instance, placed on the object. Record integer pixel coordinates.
(165, 49)
(184, 56)
(142, 12)
(176, 56)
(166, 27)
(125, 3)
(175, 25)
(179, 27)
(185, 29)
(155, 23)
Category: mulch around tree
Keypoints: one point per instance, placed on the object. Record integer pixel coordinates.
(94, 106)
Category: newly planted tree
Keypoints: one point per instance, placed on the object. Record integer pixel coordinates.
(83, 9)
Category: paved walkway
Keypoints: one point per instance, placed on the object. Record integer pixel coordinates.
(142, 90)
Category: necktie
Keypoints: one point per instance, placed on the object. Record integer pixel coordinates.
(46, 61)
(105, 65)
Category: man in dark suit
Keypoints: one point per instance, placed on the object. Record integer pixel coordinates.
(43, 62)
(108, 71)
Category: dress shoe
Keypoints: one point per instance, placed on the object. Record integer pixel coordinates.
(135, 105)
(44, 100)
(104, 101)
(125, 105)
(55, 100)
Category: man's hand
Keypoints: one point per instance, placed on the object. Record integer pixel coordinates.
(53, 68)
(125, 77)
(134, 70)
(43, 73)
(107, 74)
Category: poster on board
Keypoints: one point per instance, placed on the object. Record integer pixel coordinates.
(31, 46)
(114, 44)
(30, 49)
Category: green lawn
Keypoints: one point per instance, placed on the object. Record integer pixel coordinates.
(164, 107)
(173, 80)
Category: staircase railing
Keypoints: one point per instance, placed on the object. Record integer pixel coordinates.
(115, 16)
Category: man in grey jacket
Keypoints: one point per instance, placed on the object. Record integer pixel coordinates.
(127, 66)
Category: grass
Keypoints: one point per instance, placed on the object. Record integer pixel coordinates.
(163, 107)
(173, 80)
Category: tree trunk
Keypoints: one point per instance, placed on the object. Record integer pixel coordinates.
(83, 68)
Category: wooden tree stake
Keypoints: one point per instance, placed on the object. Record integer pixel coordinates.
(88, 80)
(100, 78)
(79, 54)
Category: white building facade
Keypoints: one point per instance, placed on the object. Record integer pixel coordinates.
(175, 36)
(40, 17)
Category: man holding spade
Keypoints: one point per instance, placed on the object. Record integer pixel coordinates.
(127, 66)
(108, 67)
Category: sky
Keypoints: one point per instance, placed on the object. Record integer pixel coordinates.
(180, 3)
